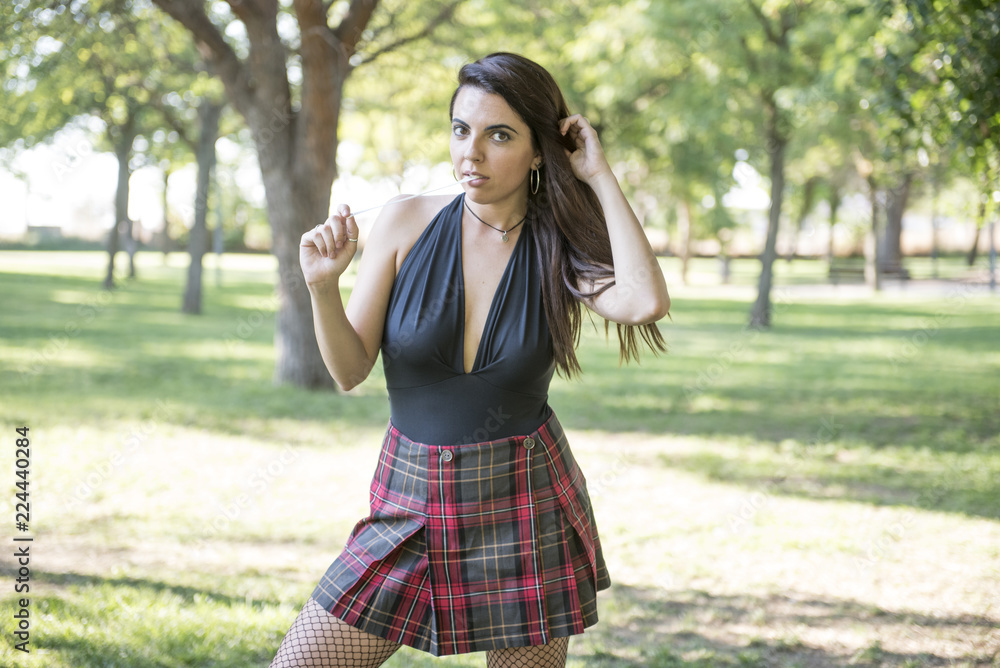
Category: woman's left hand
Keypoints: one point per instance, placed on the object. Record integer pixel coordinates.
(588, 160)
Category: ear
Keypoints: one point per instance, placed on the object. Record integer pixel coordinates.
(537, 162)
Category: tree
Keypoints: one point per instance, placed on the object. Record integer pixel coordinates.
(191, 103)
(671, 135)
(766, 61)
(294, 125)
(783, 53)
(961, 59)
(103, 59)
(91, 59)
(209, 112)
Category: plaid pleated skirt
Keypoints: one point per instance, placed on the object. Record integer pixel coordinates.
(472, 547)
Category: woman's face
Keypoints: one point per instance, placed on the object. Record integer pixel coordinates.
(490, 141)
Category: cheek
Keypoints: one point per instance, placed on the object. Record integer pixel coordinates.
(517, 163)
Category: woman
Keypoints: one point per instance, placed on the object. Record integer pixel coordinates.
(481, 536)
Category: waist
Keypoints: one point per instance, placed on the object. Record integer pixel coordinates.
(465, 409)
(549, 431)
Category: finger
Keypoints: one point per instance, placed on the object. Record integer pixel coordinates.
(566, 123)
(578, 120)
(340, 226)
(352, 228)
(340, 231)
(320, 238)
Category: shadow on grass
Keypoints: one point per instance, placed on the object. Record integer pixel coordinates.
(129, 622)
(116, 354)
(886, 374)
(96, 356)
(695, 629)
(145, 623)
(959, 490)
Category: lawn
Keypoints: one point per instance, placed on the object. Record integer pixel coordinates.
(826, 493)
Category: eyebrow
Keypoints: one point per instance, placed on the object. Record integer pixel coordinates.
(496, 126)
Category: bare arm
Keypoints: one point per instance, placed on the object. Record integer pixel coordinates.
(639, 294)
(349, 337)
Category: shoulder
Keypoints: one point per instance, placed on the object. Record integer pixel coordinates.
(401, 223)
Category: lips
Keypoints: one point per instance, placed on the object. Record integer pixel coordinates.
(477, 178)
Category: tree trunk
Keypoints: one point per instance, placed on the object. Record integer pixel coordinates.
(973, 253)
(218, 240)
(684, 236)
(993, 257)
(123, 153)
(808, 195)
(834, 209)
(296, 149)
(760, 313)
(873, 271)
(131, 245)
(165, 238)
(208, 119)
(892, 256)
(293, 209)
(934, 223)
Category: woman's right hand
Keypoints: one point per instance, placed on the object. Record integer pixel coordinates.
(325, 251)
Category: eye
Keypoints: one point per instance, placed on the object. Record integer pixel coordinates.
(459, 130)
(500, 136)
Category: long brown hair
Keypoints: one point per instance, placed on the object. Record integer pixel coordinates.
(567, 218)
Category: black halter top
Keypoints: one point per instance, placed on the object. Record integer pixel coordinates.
(432, 399)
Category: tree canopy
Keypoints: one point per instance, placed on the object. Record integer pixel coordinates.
(821, 98)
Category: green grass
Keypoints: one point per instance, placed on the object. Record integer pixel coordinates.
(826, 493)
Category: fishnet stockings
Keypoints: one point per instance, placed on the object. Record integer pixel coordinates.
(552, 655)
(318, 639)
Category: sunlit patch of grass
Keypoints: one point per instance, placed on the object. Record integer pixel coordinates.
(141, 623)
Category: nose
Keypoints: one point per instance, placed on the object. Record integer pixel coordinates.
(472, 152)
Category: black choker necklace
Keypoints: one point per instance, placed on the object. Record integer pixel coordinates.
(503, 232)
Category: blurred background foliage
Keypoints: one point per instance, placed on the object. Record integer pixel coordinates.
(737, 127)
(867, 95)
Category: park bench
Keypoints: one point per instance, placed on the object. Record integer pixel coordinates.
(852, 270)
(846, 270)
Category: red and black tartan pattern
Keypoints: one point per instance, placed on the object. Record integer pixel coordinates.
(472, 547)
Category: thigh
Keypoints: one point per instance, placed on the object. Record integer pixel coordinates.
(317, 638)
(552, 655)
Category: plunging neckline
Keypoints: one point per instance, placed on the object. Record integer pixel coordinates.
(497, 297)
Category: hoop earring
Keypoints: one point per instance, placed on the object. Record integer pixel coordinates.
(536, 181)
(453, 174)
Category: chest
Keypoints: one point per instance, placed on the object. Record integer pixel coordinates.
(475, 310)
(485, 264)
